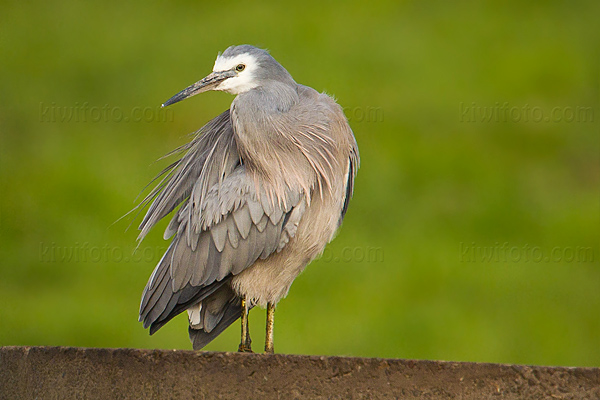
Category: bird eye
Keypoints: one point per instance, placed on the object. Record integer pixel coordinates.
(240, 67)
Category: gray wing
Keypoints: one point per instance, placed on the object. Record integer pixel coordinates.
(211, 155)
(223, 226)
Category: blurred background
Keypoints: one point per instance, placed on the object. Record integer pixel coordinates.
(474, 230)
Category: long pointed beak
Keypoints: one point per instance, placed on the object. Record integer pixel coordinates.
(204, 85)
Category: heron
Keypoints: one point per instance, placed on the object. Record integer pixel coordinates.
(258, 192)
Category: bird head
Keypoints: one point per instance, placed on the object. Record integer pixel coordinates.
(237, 70)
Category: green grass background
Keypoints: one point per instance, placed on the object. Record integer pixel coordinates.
(434, 180)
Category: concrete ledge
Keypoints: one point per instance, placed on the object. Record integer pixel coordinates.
(90, 373)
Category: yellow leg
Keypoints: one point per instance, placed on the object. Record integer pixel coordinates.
(246, 342)
(270, 319)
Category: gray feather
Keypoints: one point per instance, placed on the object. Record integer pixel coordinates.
(202, 263)
(201, 338)
(232, 232)
(266, 204)
(275, 215)
(262, 223)
(219, 235)
(243, 221)
(256, 211)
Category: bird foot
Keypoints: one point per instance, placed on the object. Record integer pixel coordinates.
(245, 348)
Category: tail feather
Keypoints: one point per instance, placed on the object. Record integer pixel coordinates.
(182, 300)
(201, 338)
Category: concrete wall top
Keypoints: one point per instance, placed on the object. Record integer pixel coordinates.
(93, 373)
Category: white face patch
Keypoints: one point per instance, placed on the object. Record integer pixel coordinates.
(244, 80)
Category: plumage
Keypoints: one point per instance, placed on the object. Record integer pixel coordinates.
(261, 189)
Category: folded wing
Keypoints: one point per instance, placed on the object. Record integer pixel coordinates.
(224, 224)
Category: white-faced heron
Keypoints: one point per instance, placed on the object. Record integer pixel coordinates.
(261, 189)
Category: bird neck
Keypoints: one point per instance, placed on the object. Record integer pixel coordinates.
(270, 97)
(259, 120)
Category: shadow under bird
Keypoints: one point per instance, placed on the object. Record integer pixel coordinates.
(261, 189)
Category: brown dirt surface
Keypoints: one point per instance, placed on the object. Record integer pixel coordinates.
(91, 373)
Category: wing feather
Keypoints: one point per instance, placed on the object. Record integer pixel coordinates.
(222, 227)
(243, 221)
